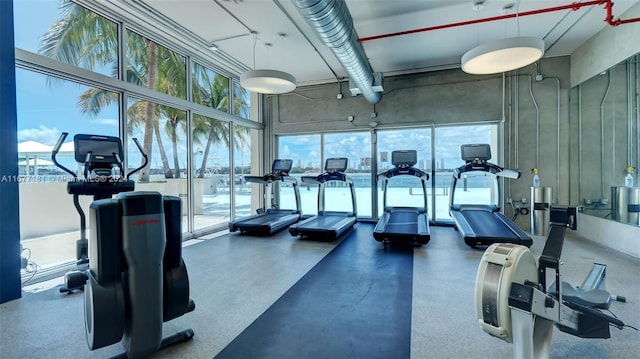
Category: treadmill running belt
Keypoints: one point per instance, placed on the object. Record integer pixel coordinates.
(322, 222)
(260, 220)
(355, 303)
(486, 224)
(405, 222)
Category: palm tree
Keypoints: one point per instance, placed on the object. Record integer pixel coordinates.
(143, 57)
(174, 82)
(175, 119)
(136, 115)
(213, 91)
(83, 38)
(86, 39)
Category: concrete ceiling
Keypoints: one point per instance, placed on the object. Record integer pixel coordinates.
(228, 24)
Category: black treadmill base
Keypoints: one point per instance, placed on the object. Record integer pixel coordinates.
(388, 238)
(330, 236)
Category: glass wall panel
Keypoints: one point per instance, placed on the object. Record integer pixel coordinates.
(404, 191)
(356, 146)
(475, 187)
(67, 33)
(241, 101)
(46, 107)
(209, 88)
(154, 66)
(305, 152)
(161, 132)
(211, 163)
(245, 164)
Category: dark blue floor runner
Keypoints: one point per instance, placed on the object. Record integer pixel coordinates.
(355, 303)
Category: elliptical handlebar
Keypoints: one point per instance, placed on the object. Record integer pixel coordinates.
(88, 159)
(54, 152)
(144, 155)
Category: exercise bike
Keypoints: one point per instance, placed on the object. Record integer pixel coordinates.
(517, 303)
(136, 277)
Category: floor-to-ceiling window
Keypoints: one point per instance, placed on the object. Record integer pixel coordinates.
(244, 164)
(175, 103)
(160, 129)
(309, 153)
(356, 147)
(306, 153)
(404, 191)
(474, 187)
(212, 184)
(46, 107)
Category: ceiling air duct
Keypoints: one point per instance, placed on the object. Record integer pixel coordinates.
(333, 23)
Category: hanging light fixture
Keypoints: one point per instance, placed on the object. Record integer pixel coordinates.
(502, 55)
(267, 81)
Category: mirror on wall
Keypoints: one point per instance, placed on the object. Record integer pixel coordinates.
(604, 121)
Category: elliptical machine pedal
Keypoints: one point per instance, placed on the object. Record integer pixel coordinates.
(75, 280)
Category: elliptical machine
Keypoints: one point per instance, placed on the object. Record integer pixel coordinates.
(101, 157)
(136, 277)
(516, 303)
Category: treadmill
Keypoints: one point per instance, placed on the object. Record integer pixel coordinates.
(481, 224)
(403, 224)
(328, 225)
(269, 221)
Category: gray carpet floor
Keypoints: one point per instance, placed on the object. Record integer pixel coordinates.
(235, 278)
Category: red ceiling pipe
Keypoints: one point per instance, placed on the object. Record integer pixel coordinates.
(618, 21)
(573, 6)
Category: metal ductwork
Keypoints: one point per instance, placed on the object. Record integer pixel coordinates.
(333, 23)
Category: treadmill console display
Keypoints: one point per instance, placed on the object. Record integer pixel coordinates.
(472, 152)
(281, 166)
(335, 165)
(405, 158)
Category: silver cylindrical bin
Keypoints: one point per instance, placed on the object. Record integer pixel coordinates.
(625, 204)
(540, 209)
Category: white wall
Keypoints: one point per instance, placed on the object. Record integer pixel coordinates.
(47, 209)
(609, 47)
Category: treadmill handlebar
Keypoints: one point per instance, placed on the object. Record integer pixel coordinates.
(485, 166)
(326, 177)
(406, 171)
(271, 177)
(509, 173)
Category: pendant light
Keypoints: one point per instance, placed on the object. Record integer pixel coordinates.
(267, 81)
(504, 54)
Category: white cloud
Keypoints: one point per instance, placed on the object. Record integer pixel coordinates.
(43, 134)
